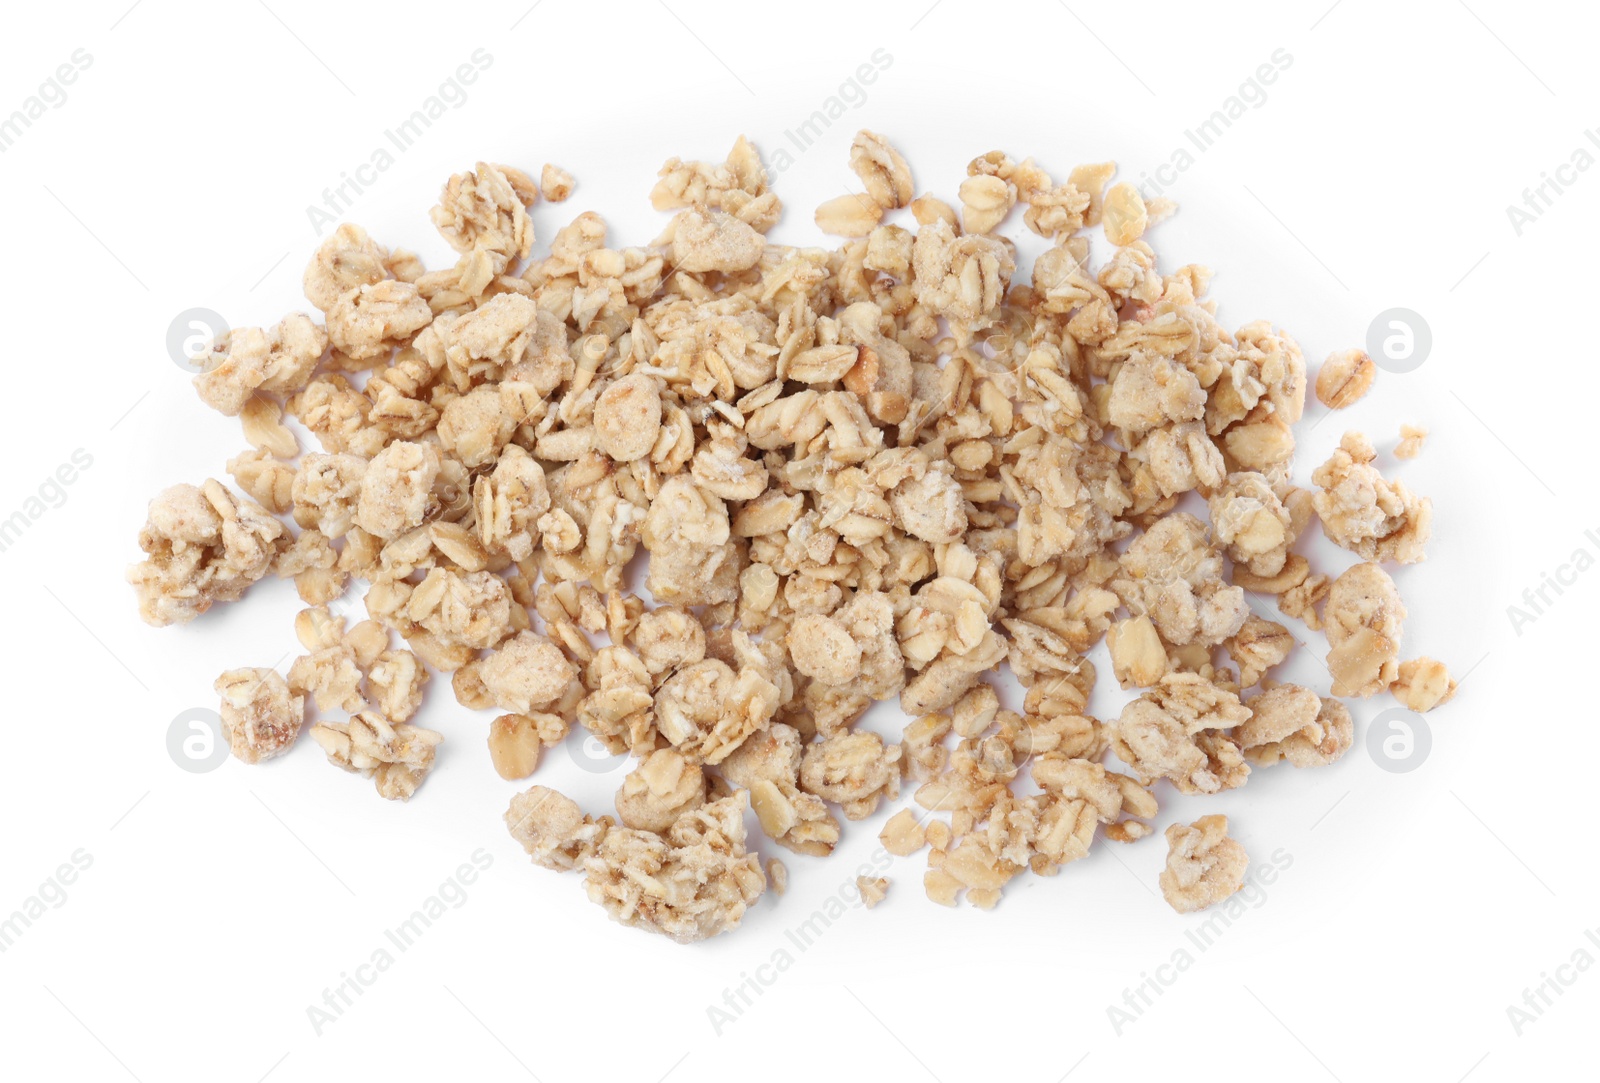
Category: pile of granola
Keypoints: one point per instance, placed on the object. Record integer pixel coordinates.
(889, 470)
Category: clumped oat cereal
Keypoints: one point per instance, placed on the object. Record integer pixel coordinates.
(260, 717)
(709, 498)
(1365, 620)
(1204, 865)
(396, 758)
(1363, 512)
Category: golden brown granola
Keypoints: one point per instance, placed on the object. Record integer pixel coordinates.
(711, 497)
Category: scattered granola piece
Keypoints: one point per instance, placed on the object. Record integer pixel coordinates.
(260, 717)
(1411, 440)
(396, 758)
(692, 882)
(345, 261)
(1363, 512)
(526, 673)
(1204, 865)
(849, 215)
(1138, 657)
(881, 169)
(663, 787)
(1344, 378)
(1276, 714)
(484, 211)
(1423, 684)
(1173, 575)
(985, 201)
(778, 876)
(555, 183)
(515, 745)
(852, 770)
(1176, 731)
(1123, 216)
(903, 835)
(203, 546)
(873, 890)
(1323, 740)
(553, 829)
(1259, 645)
(1365, 620)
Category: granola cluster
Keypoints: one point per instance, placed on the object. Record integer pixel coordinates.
(708, 499)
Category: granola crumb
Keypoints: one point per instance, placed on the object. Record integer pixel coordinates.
(873, 890)
(1411, 441)
(555, 183)
(1423, 684)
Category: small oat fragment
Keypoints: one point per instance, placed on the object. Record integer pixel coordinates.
(985, 201)
(849, 215)
(1423, 684)
(1344, 378)
(1091, 180)
(1138, 657)
(555, 183)
(514, 746)
(882, 169)
(778, 874)
(1411, 440)
(873, 890)
(1204, 865)
(902, 835)
(1124, 217)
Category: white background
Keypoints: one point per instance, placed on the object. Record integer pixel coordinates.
(218, 906)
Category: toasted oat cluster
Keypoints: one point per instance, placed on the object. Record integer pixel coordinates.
(1204, 865)
(708, 498)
